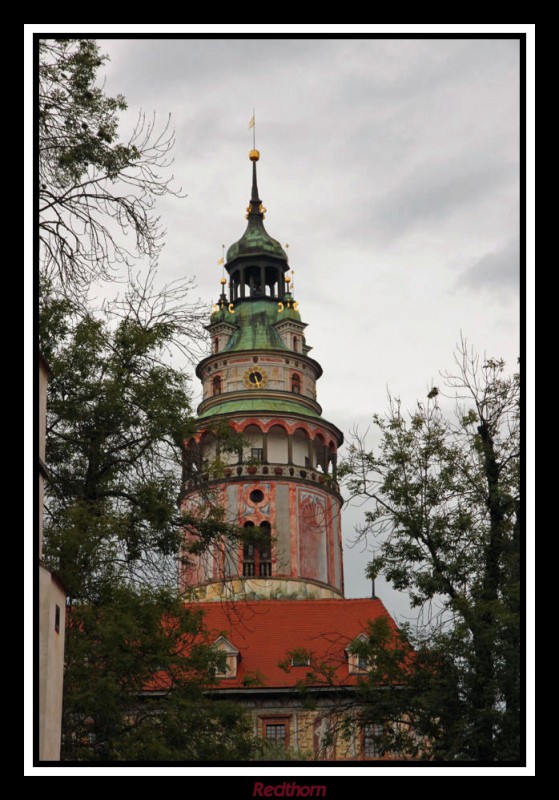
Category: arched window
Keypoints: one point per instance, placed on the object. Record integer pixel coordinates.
(296, 343)
(249, 553)
(257, 551)
(265, 550)
(296, 383)
(216, 385)
(216, 345)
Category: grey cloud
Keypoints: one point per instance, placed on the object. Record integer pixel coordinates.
(437, 189)
(496, 271)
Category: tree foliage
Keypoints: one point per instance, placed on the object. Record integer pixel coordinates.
(94, 190)
(118, 418)
(137, 667)
(444, 495)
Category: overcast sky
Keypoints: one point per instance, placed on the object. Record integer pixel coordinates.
(391, 169)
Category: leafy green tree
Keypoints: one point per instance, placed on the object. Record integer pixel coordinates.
(118, 418)
(444, 495)
(137, 667)
(93, 188)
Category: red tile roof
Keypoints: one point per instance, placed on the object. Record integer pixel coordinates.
(265, 631)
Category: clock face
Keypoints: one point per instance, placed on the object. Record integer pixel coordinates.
(255, 378)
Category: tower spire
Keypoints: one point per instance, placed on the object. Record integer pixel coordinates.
(255, 202)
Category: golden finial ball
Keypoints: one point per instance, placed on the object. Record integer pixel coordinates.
(223, 281)
(254, 155)
(287, 279)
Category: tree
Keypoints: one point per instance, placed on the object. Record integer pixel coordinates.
(138, 665)
(93, 189)
(118, 419)
(445, 508)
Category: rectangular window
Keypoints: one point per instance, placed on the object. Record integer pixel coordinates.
(257, 454)
(276, 733)
(372, 733)
(57, 619)
(300, 661)
(362, 663)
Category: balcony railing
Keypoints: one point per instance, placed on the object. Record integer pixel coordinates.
(264, 471)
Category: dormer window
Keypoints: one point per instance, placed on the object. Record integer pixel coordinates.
(231, 657)
(358, 662)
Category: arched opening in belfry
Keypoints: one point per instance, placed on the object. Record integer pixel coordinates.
(302, 455)
(216, 385)
(333, 455)
(278, 449)
(253, 451)
(320, 453)
(209, 449)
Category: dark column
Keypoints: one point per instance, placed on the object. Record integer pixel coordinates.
(263, 281)
(242, 274)
(289, 448)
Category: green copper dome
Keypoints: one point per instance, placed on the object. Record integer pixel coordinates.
(255, 242)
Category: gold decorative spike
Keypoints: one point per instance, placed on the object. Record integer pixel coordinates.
(254, 155)
(214, 309)
(223, 281)
(287, 279)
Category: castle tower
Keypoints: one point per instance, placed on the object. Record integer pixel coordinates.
(280, 483)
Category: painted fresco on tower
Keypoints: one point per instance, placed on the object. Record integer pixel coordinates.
(313, 525)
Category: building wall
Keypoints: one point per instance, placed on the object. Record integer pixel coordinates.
(51, 663)
(51, 622)
(307, 730)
